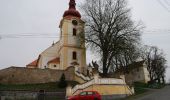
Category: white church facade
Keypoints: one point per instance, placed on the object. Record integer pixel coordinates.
(70, 49)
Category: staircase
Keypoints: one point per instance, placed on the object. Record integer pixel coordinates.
(99, 81)
(85, 78)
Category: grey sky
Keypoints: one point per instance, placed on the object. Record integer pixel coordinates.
(40, 20)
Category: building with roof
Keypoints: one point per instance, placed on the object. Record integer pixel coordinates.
(70, 49)
(135, 72)
(68, 57)
(70, 52)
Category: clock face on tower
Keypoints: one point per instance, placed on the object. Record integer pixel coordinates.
(74, 22)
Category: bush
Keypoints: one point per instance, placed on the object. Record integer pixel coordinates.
(156, 85)
(140, 84)
(62, 83)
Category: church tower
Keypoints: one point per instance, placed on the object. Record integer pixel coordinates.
(72, 50)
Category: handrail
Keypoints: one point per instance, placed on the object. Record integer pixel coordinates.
(106, 81)
(86, 78)
(131, 91)
(82, 86)
(82, 76)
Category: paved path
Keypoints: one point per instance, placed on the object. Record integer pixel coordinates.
(162, 94)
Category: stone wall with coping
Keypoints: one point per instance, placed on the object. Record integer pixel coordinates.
(21, 75)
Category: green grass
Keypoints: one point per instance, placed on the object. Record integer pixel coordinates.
(30, 87)
(33, 87)
(156, 86)
(140, 90)
(151, 86)
(140, 87)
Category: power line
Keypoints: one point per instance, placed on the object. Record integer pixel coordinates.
(162, 4)
(157, 31)
(54, 35)
(26, 35)
(167, 2)
(33, 35)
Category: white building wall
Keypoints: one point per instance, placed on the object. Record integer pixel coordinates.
(70, 58)
(49, 54)
(51, 66)
(146, 74)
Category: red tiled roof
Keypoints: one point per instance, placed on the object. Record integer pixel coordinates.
(55, 60)
(34, 63)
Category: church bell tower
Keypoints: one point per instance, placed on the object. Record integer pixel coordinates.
(72, 47)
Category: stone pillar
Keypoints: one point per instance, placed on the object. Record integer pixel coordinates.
(68, 91)
(133, 90)
(123, 78)
(96, 77)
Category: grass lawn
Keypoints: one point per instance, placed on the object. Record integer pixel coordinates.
(33, 87)
(142, 89)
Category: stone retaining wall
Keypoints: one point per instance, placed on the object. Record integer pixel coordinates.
(21, 75)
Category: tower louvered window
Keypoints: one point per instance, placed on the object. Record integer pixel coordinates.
(74, 55)
(74, 32)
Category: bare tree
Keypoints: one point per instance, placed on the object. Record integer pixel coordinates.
(159, 63)
(156, 63)
(109, 29)
(169, 81)
(147, 56)
(126, 57)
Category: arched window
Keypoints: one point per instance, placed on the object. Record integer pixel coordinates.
(74, 55)
(74, 32)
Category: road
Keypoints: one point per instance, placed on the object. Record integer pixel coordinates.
(161, 94)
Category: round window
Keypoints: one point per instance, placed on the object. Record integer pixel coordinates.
(74, 22)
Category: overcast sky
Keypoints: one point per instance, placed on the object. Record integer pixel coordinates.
(27, 27)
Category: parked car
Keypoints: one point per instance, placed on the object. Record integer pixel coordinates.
(86, 95)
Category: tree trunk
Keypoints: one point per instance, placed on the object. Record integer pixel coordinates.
(105, 69)
(163, 79)
(159, 80)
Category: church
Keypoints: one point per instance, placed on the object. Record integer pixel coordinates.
(70, 52)
(70, 49)
(68, 57)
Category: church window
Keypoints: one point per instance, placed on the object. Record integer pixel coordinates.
(74, 55)
(74, 32)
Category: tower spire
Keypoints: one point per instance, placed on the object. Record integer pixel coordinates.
(72, 10)
(72, 4)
